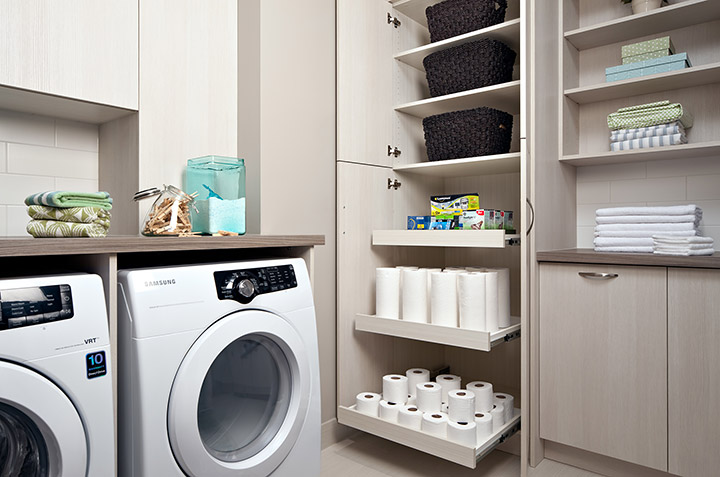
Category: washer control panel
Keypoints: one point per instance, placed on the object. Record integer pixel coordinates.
(244, 285)
(35, 305)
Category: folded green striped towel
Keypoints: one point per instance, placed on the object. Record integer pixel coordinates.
(54, 228)
(71, 199)
(77, 215)
(651, 114)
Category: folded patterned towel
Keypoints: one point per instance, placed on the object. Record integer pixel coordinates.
(660, 130)
(623, 242)
(646, 142)
(79, 215)
(648, 219)
(54, 228)
(625, 249)
(653, 210)
(645, 233)
(654, 227)
(71, 199)
(686, 253)
(651, 114)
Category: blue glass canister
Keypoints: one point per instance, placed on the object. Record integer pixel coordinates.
(220, 185)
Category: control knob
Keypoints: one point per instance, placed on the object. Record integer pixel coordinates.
(244, 290)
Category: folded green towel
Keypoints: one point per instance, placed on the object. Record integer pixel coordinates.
(78, 215)
(651, 114)
(54, 228)
(71, 199)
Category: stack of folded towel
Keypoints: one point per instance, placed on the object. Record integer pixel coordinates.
(687, 246)
(648, 125)
(631, 229)
(69, 214)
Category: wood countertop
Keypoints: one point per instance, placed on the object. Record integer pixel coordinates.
(588, 255)
(28, 246)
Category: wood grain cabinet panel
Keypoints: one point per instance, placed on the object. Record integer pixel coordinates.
(603, 360)
(693, 377)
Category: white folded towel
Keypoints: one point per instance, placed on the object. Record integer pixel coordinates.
(623, 242)
(647, 219)
(654, 227)
(625, 249)
(680, 248)
(686, 253)
(672, 240)
(645, 233)
(656, 210)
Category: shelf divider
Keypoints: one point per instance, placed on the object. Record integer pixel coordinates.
(684, 151)
(504, 96)
(442, 238)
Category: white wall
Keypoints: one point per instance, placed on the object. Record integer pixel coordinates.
(37, 154)
(673, 182)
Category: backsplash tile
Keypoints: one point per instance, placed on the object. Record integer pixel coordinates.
(612, 172)
(79, 185)
(3, 157)
(684, 167)
(26, 128)
(703, 187)
(14, 188)
(668, 188)
(585, 236)
(593, 192)
(3, 220)
(74, 135)
(52, 161)
(17, 219)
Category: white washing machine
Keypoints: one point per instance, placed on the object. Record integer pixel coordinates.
(218, 371)
(56, 402)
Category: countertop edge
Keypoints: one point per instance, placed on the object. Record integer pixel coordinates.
(588, 255)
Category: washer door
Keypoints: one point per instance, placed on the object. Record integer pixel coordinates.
(240, 397)
(41, 433)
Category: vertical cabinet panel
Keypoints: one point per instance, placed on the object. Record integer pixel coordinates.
(693, 377)
(603, 361)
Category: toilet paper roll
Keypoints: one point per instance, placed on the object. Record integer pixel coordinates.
(411, 400)
(483, 426)
(387, 292)
(368, 403)
(444, 408)
(389, 411)
(414, 296)
(410, 416)
(416, 376)
(462, 432)
(491, 301)
(503, 290)
(498, 416)
(508, 403)
(429, 397)
(443, 299)
(471, 298)
(448, 383)
(435, 423)
(395, 388)
(484, 398)
(461, 405)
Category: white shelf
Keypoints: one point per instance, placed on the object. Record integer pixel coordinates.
(428, 443)
(664, 19)
(683, 151)
(442, 238)
(508, 33)
(471, 166)
(686, 78)
(415, 9)
(504, 96)
(471, 339)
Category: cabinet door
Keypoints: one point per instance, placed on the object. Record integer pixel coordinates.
(693, 371)
(81, 49)
(603, 361)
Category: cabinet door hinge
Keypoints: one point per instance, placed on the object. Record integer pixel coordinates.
(393, 151)
(393, 184)
(393, 21)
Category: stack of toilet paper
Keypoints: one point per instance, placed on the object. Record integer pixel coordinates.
(470, 298)
(468, 416)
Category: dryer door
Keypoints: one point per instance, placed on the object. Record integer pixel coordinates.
(41, 433)
(240, 397)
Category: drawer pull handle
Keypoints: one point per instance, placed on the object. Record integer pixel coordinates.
(598, 276)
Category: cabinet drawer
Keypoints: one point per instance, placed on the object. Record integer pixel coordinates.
(603, 360)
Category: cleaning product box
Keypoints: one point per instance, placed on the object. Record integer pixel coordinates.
(438, 223)
(648, 67)
(481, 219)
(508, 223)
(662, 44)
(418, 222)
(443, 204)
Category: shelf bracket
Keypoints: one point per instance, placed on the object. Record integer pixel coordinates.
(393, 21)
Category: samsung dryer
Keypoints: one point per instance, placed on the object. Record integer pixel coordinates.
(56, 402)
(218, 371)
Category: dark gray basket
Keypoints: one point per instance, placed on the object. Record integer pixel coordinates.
(468, 66)
(455, 17)
(469, 133)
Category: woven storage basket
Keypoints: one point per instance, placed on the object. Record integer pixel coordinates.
(455, 17)
(468, 66)
(469, 133)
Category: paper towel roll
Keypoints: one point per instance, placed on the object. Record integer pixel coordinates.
(395, 388)
(416, 376)
(410, 416)
(435, 423)
(429, 397)
(461, 405)
(387, 292)
(367, 403)
(483, 426)
(503, 290)
(498, 416)
(403, 267)
(462, 432)
(429, 272)
(448, 383)
(389, 411)
(491, 301)
(414, 296)
(443, 299)
(483, 395)
(508, 403)
(471, 298)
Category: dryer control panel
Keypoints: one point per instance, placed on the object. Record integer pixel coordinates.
(244, 285)
(35, 305)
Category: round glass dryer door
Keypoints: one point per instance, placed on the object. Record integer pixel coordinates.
(240, 397)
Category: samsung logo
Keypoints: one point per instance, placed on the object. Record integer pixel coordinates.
(159, 283)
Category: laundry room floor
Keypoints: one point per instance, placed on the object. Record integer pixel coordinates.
(365, 455)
